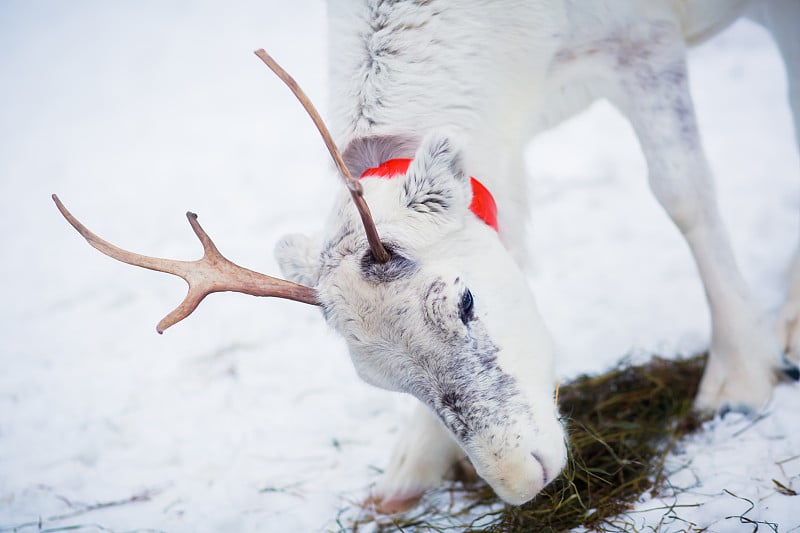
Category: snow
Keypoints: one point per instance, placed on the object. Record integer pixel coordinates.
(248, 416)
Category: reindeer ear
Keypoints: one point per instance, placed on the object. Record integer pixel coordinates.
(436, 181)
(298, 259)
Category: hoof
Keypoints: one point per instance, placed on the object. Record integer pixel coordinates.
(736, 408)
(393, 504)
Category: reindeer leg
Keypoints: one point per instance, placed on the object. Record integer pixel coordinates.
(780, 18)
(652, 90)
(422, 458)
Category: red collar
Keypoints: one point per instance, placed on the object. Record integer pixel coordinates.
(482, 205)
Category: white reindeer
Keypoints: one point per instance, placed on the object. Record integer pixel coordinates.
(438, 307)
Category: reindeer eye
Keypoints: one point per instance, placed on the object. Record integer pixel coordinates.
(467, 303)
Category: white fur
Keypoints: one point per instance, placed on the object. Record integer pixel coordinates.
(491, 74)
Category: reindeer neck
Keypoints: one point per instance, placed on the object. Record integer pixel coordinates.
(404, 68)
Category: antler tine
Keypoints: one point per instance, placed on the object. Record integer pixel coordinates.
(353, 185)
(212, 273)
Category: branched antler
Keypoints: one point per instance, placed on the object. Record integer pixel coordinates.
(353, 185)
(212, 273)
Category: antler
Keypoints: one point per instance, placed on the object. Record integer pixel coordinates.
(353, 185)
(212, 273)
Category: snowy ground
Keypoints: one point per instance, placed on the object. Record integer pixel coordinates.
(248, 416)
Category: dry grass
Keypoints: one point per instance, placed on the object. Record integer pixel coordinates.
(621, 426)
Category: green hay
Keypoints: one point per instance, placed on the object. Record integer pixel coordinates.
(621, 425)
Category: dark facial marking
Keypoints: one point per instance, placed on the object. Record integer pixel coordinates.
(462, 381)
(471, 392)
(397, 267)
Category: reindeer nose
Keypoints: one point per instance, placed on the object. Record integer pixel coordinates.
(519, 473)
(524, 481)
(524, 477)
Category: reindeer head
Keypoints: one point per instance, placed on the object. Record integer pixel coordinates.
(435, 307)
(448, 318)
